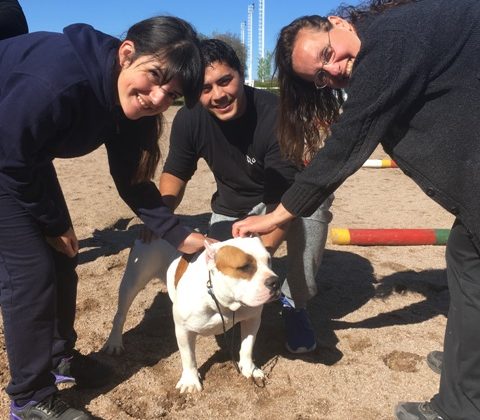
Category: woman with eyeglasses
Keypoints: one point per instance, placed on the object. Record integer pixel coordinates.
(63, 95)
(411, 70)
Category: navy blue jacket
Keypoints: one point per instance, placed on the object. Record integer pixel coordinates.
(415, 88)
(58, 98)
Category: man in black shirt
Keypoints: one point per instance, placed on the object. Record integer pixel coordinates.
(233, 129)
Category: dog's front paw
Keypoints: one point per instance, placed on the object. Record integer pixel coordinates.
(189, 382)
(248, 370)
(113, 346)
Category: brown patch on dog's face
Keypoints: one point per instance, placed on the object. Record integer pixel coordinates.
(235, 263)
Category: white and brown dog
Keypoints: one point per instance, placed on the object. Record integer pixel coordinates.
(237, 272)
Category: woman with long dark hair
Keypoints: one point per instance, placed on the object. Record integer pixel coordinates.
(64, 95)
(411, 73)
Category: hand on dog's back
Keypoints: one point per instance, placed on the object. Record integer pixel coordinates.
(192, 243)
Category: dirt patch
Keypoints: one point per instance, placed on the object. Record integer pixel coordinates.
(402, 361)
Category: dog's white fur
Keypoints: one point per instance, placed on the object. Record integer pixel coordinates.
(241, 280)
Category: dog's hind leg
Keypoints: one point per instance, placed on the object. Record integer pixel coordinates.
(145, 262)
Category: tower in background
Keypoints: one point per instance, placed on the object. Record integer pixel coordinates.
(261, 29)
(249, 80)
(242, 32)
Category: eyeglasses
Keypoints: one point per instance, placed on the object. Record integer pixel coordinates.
(320, 80)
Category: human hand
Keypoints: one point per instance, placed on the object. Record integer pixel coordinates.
(210, 240)
(192, 243)
(146, 235)
(252, 225)
(66, 243)
(262, 224)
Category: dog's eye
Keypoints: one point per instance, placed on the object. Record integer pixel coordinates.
(245, 268)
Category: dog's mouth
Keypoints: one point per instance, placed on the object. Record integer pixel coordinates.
(274, 296)
(261, 299)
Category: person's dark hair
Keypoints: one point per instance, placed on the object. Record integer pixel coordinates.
(218, 50)
(175, 42)
(367, 8)
(306, 113)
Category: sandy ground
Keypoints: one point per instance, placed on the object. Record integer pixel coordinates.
(378, 313)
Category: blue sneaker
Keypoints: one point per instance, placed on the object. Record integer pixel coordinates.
(298, 328)
(51, 407)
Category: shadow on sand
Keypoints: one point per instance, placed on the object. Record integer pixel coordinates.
(346, 282)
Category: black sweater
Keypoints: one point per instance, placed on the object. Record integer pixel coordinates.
(415, 88)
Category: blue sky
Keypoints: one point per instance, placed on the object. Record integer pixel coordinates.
(116, 16)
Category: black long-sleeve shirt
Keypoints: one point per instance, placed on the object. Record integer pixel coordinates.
(242, 153)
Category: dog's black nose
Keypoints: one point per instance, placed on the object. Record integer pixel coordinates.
(272, 283)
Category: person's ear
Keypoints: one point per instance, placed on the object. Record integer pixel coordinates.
(125, 53)
(338, 22)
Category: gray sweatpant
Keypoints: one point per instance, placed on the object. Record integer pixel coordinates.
(305, 239)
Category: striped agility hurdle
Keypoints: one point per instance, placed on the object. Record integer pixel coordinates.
(379, 163)
(342, 236)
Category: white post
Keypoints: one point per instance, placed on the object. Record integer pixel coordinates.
(249, 80)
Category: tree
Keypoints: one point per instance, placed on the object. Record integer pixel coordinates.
(264, 69)
(234, 41)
